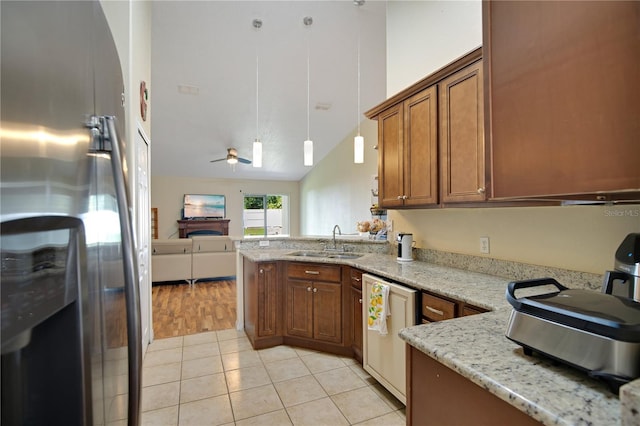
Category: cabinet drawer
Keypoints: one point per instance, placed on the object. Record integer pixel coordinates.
(471, 310)
(436, 308)
(314, 272)
(356, 278)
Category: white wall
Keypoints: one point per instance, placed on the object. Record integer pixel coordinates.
(337, 191)
(581, 238)
(130, 24)
(167, 195)
(423, 36)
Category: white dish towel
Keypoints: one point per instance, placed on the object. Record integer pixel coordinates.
(378, 308)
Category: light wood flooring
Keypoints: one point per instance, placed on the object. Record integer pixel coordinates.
(182, 309)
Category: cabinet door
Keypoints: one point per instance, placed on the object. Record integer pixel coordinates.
(462, 150)
(327, 312)
(299, 308)
(267, 299)
(390, 157)
(421, 149)
(356, 322)
(563, 86)
(437, 393)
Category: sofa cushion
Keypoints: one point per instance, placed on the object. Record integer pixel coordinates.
(172, 246)
(213, 265)
(211, 243)
(171, 267)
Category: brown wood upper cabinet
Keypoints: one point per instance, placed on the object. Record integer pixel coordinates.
(408, 159)
(428, 157)
(462, 153)
(564, 99)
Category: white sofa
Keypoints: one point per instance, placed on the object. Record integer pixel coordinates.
(192, 259)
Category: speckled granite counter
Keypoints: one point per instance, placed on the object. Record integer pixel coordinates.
(476, 347)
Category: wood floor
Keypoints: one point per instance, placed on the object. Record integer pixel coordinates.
(181, 309)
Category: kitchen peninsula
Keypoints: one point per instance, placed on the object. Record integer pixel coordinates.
(475, 347)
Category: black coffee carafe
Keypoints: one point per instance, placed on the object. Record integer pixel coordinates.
(624, 280)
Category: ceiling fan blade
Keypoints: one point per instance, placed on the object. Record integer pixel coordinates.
(243, 160)
(219, 159)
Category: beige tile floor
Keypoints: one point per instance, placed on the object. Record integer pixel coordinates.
(216, 378)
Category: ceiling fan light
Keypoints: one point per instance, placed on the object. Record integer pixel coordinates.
(358, 149)
(257, 153)
(232, 160)
(308, 153)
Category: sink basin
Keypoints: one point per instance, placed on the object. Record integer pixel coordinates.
(329, 255)
(345, 256)
(309, 254)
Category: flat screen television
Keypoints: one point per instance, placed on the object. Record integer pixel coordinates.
(201, 206)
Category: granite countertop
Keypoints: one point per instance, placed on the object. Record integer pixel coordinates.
(481, 290)
(476, 346)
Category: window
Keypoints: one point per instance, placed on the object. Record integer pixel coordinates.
(259, 221)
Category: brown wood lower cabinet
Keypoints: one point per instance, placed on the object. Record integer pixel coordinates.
(262, 313)
(313, 308)
(355, 326)
(299, 308)
(439, 308)
(437, 395)
(298, 303)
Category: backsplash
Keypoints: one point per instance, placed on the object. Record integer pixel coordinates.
(514, 271)
(318, 243)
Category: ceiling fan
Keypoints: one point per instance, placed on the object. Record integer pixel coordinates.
(232, 158)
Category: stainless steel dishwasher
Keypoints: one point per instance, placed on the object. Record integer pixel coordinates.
(384, 355)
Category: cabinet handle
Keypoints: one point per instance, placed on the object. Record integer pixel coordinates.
(309, 288)
(404, 197)
(481, 190)
(360, 300)
(262, 271)
(357, 279)
(315, 290)
(435, 311)
(312, 272)
(399, 197)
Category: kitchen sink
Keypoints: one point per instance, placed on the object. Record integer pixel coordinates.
(344, 256)
(325, 254)
(309, 254)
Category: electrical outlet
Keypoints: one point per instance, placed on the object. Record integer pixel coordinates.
(264, 243)
(484, 245)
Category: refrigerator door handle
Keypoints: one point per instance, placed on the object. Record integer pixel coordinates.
(132, 292)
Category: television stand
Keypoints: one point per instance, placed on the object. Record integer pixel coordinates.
(218, 226)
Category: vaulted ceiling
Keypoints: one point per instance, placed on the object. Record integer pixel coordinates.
(203, 94)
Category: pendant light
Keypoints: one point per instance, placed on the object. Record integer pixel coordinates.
(358, 141)
(308, 144)
(257, 145)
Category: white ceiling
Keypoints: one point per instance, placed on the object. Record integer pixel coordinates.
(212, 46)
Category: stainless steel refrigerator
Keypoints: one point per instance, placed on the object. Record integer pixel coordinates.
(70, 319)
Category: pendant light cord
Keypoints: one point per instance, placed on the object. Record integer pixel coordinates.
(358, 54)
(257, 92)
(308, 97)
(257, 24)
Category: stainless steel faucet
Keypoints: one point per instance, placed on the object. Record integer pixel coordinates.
(335, 247)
